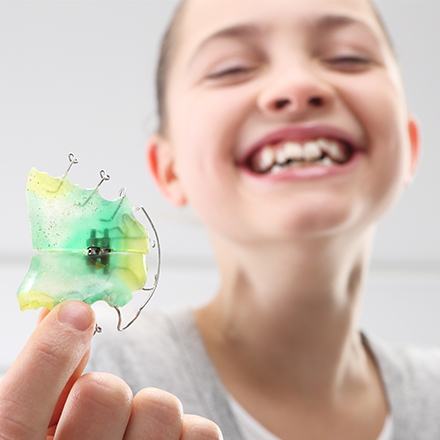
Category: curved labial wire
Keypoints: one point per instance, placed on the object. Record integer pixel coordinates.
(72, 161)
(151, 290)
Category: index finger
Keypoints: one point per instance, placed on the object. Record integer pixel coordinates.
(31, 387)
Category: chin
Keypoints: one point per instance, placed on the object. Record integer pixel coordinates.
(315, 221)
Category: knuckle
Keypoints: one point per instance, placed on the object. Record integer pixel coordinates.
(51, 354)
(102, 391)
(161, 405)
(200, 428)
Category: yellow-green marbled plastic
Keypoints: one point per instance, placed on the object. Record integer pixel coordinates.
(64, 219)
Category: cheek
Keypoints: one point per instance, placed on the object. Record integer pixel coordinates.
(379, 105)
(205, 115)
(206, 170)
(205, 126)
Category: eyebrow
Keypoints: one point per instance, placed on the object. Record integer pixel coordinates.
(249, 31)
(246, 31)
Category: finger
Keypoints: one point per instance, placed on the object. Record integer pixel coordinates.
(63, 396)
(31, 387)
(98, 407)
(155, 414)
(199, 428)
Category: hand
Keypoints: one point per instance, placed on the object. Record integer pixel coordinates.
(45, 395)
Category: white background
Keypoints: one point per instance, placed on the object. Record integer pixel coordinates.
(78, 76)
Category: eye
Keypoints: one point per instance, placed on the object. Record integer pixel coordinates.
(230, 71)
(351, 59)
(349, 62)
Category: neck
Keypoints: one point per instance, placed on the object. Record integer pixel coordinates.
(285, 317)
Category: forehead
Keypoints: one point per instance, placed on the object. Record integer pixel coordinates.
(204, 18)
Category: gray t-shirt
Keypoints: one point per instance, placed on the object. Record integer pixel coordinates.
(166, 351)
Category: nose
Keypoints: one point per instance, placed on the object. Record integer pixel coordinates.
(295, 92)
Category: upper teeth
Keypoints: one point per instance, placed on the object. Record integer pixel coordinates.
(334, 149)
(294, 150)
(312, 151)
(270, 155)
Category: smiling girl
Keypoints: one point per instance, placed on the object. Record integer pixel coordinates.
(284, 125)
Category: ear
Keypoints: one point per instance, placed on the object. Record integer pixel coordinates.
(414, 138)
(161, 162)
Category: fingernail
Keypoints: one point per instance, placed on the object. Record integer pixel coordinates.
(76, 314)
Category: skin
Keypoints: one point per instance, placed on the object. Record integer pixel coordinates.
(282, 330)
(45, 395)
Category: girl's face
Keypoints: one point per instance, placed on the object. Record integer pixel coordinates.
(249, 73)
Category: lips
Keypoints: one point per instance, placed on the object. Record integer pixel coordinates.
(299, 134)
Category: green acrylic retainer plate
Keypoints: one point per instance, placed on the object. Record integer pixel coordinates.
(86, 248)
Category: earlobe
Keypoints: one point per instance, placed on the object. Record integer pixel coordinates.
(161, 163)
(414, 138)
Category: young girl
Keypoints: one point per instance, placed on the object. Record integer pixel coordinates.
(284, 125)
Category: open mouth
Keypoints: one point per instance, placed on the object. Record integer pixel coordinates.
(282, 156)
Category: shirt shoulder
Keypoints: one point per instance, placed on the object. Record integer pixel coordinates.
(408, 364)
(411, 377)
